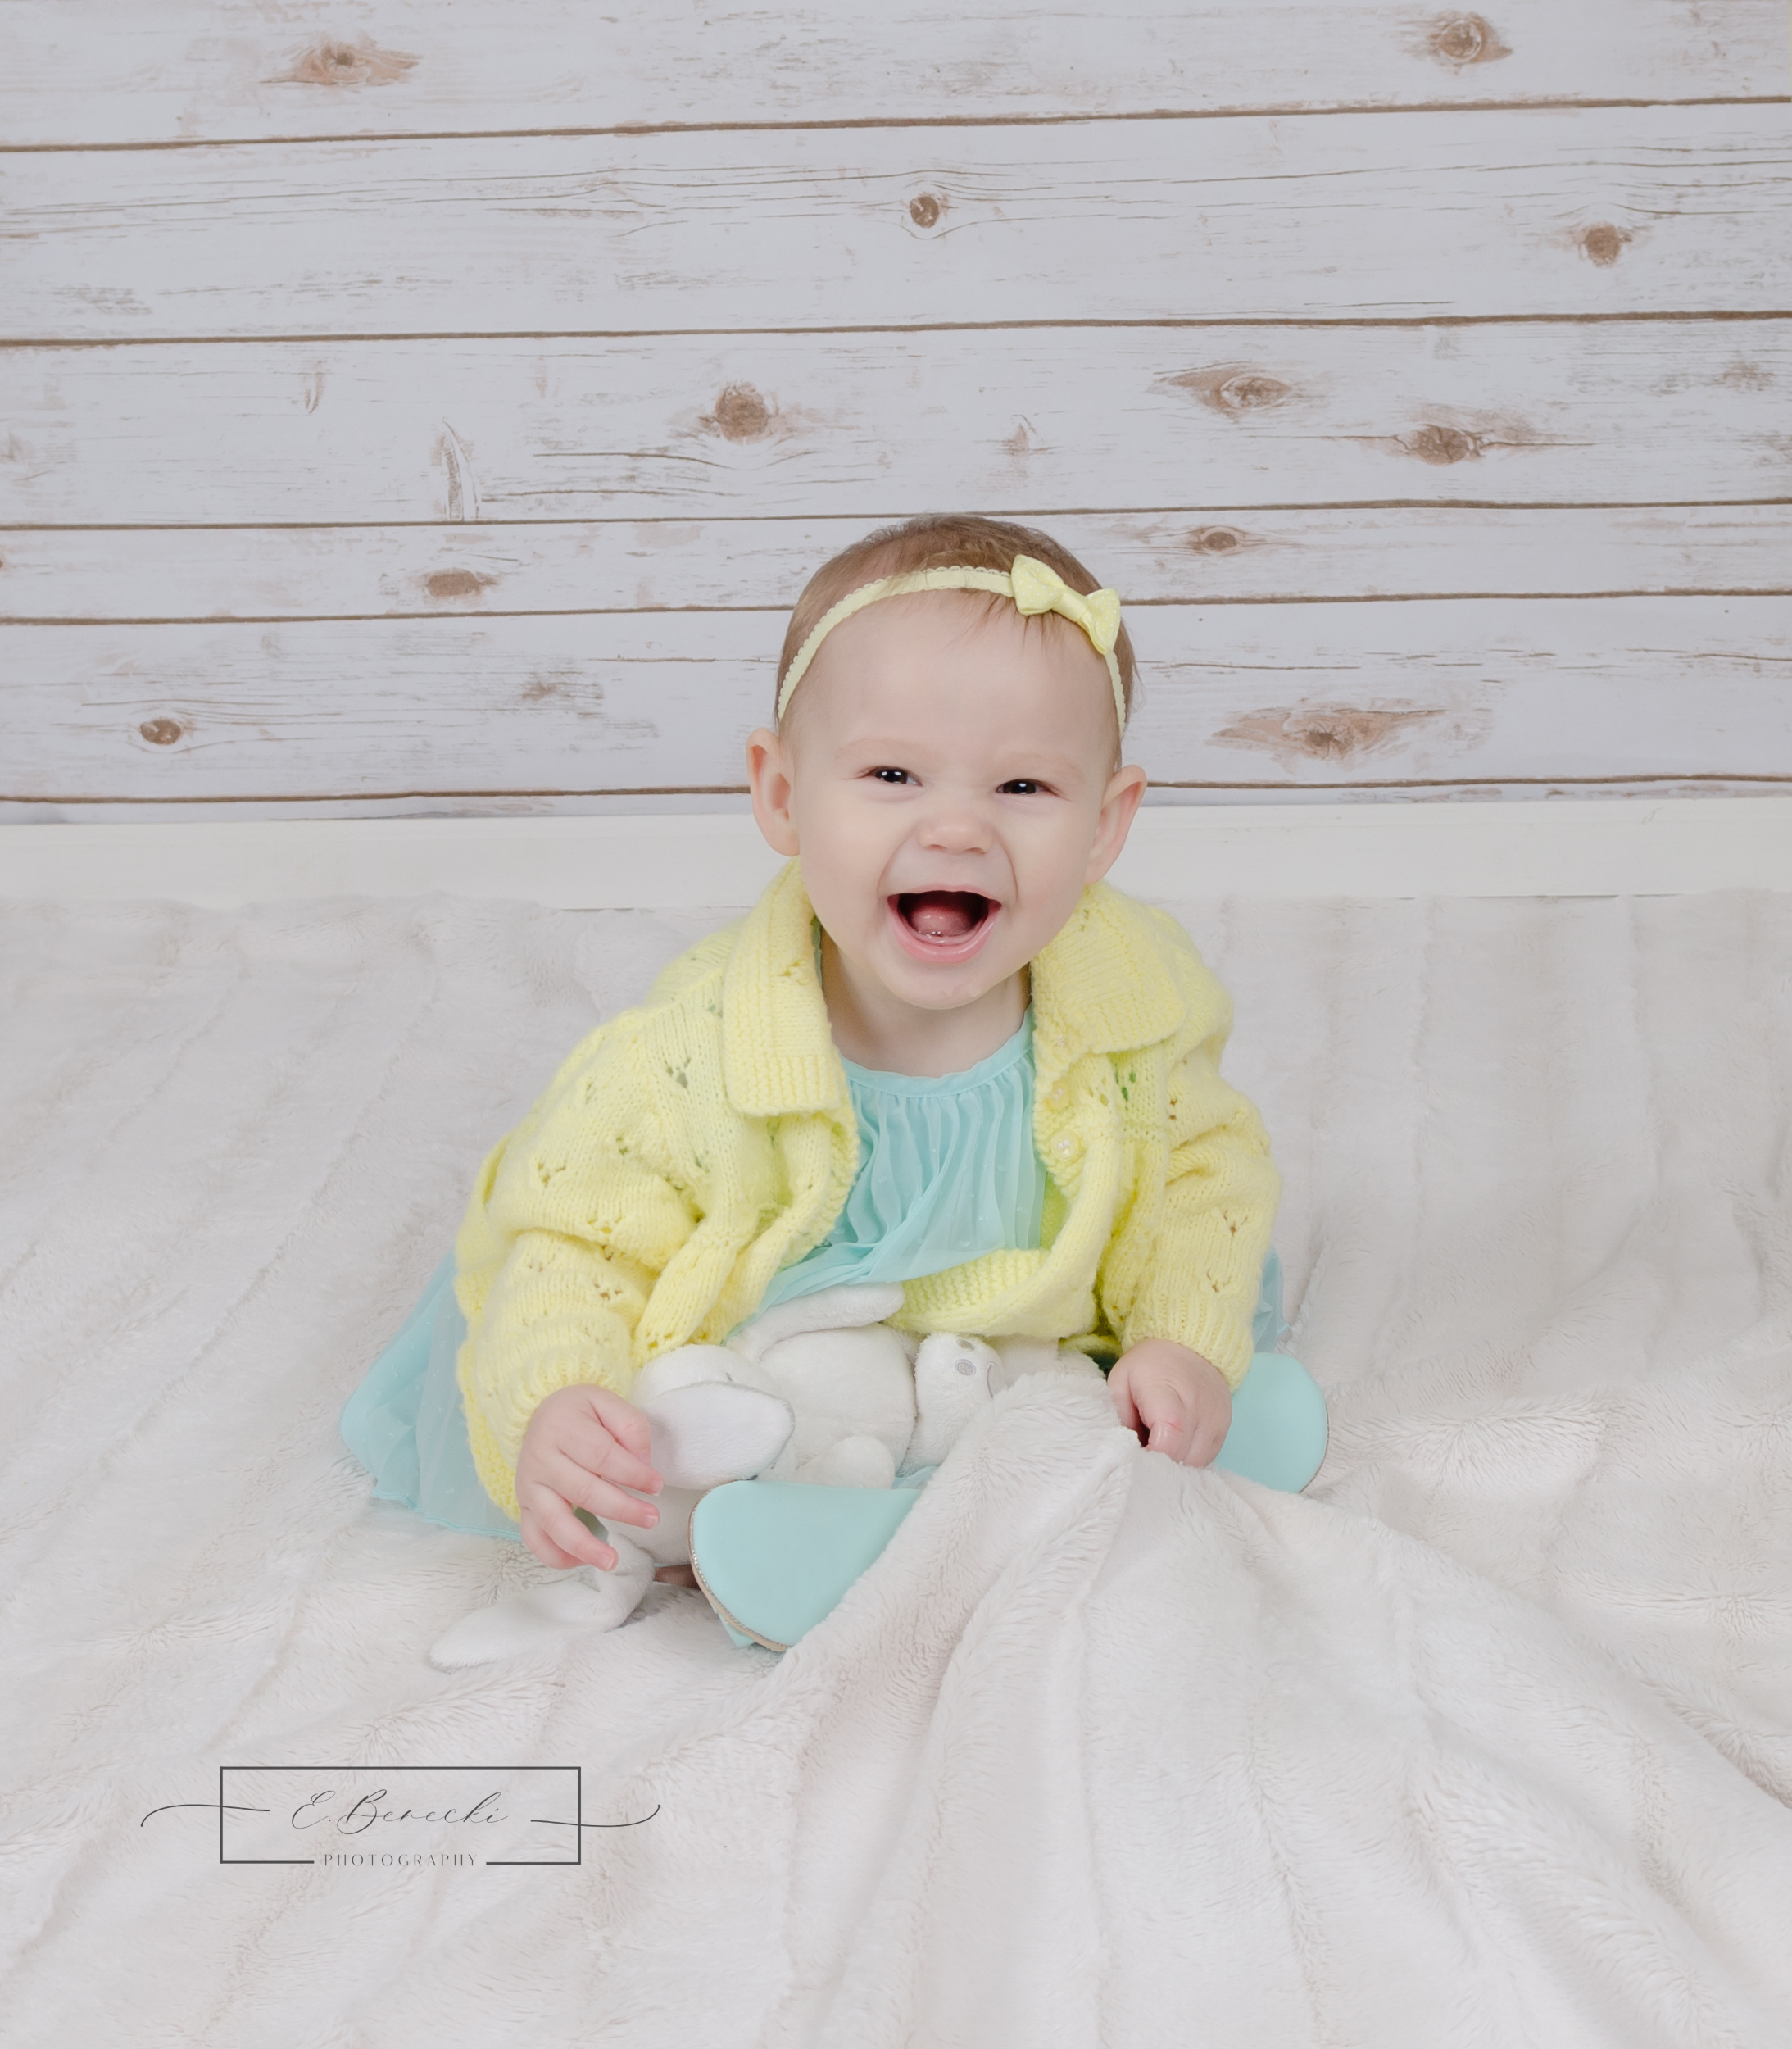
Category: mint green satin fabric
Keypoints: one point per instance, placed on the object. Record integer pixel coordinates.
(947, 1171)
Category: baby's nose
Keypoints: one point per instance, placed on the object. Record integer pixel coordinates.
(958, 830)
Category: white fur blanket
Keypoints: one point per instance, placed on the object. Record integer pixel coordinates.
(1486, 1740)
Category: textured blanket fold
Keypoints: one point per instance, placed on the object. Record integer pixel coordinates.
(1486, 1740)
(1107, 1750)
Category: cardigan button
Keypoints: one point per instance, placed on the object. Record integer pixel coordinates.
(1059, 1097)
(1067, 1147)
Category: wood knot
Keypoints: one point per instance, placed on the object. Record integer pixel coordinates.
(1459, 39)
(1433, 443)
(329, 61)
(1249, 392)
(161, 731)
(1022, 441)
(456, 583)
(1326, 736)
(925, 209)
(1603, 244)
(1231, 388)
(1325, 732)
(1216, 540)
(740, 414)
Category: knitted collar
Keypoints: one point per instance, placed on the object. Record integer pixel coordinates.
(1099, 987)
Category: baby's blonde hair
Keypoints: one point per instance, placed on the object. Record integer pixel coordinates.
(937, 540)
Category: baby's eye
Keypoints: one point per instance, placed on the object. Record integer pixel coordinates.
(892, 775)
(1021, 786)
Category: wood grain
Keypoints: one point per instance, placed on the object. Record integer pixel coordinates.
(114, 72)
(1532, 792)
(1218, 553)
(1406, 217)
(1240, 695)
(870, 427)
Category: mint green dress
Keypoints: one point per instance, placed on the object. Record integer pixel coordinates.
(947, 1171)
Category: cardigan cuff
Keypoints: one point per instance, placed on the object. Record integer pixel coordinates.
(1221, 1334)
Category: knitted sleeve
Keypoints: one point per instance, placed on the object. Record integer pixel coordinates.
(1201, 1283)
(572, 1218)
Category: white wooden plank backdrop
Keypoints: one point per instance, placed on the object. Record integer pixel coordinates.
(61, 575)
(386, 418)
(86, 71)
(1432, 691)
(1045, 421)
(1558, 210)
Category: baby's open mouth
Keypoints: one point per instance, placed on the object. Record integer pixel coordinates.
(943, 917)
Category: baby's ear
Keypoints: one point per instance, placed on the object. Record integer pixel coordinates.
(769, 777)
(1119, 806)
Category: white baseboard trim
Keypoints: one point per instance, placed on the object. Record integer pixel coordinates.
(1548, 848)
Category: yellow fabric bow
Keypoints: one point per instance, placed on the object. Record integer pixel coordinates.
(1038, 588)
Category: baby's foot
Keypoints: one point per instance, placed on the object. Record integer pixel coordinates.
(951, 1383)
(576, 1604)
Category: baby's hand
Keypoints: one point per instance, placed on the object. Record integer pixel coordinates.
(1176, 1401)
(583, 1446)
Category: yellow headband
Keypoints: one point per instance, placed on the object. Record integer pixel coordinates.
(1033, 585)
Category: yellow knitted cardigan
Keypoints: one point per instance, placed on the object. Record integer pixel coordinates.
(689, 1148)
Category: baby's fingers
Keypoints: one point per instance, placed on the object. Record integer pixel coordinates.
(590, 1446)
(1165, 1423)
(1171, 1429)
(555, 1535)
(1207, 1435)
(1191, 1435)
(625, 1423)
(597, 1495)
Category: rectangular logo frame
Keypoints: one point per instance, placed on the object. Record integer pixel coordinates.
(316, 1788)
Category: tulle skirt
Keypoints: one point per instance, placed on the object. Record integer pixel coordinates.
(405, 1423)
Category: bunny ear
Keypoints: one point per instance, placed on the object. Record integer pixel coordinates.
(848, 1307)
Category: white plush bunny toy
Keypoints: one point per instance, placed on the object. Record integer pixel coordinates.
(820, 1389)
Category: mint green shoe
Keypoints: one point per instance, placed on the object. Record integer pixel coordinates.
(774, 1556)
(1278, 1431)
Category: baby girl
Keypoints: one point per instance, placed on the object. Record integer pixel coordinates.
(941, 1052)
